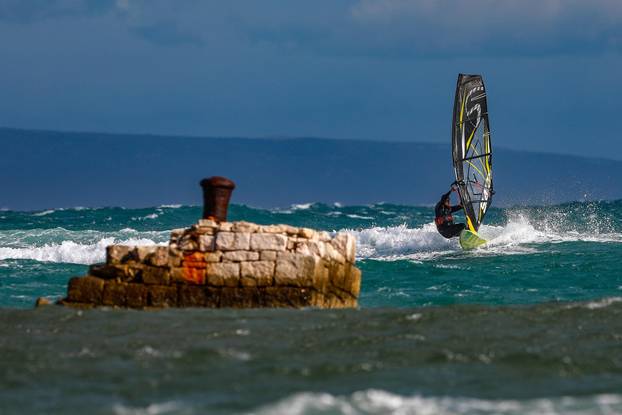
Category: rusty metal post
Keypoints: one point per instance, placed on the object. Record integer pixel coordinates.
(216, 194)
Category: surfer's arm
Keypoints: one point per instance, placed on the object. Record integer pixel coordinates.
(456, 208)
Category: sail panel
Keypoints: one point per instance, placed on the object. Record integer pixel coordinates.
(472, 148)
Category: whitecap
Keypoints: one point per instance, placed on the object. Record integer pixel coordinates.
(334, 213)
(519, 236)
(147, 217)
(301, 206)
(70, 251)
(375, 401)
(354, 216)
(151, 409)
(44, 213)
(597, 304)
(401, 242)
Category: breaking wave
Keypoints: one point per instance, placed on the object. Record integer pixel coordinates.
(522, 234)
(69, 252)
(375, 401)
(76, 247)
(383, 231)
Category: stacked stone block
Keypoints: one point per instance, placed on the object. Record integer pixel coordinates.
(228, 264)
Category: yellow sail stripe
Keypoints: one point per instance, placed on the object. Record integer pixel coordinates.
(475, 167)
(470, 224)
(481, 162)
(462, 112)
(487, 142)
(468, 143)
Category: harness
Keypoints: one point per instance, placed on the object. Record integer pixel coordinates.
(441, 220)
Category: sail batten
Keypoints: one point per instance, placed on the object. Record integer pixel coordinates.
(472, 149)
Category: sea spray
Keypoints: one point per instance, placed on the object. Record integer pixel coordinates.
(535, 254)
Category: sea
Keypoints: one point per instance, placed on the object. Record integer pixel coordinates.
(529, 324)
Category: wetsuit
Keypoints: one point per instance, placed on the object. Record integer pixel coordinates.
(445, 221)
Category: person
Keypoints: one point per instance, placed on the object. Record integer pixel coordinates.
(444, 219)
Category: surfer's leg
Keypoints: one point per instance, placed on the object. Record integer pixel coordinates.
(451, 231)
(455, 229)
(445, 231)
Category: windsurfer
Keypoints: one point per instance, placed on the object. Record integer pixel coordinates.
(444, 219)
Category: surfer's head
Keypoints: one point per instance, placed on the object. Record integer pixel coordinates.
(446, 201)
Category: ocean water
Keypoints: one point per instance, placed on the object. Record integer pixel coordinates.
(530, 324)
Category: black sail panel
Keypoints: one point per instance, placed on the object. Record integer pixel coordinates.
(472, 149)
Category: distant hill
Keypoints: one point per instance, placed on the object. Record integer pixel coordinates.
(42, 169)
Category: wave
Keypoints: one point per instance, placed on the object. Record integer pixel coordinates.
(384, 231)
(44, 213)
(292, 208)
(596, 304)
(69, 252)
(520, 235)
(374, 401)
(355, 216)
(147, 217)
(65, 246)
(163, 408)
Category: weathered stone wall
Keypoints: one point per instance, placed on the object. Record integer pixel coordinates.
(228, 264)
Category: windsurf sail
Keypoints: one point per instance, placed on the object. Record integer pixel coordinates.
(471, 149)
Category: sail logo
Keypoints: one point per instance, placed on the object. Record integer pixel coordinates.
(470, 98)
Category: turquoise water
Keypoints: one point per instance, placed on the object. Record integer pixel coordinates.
(532, 323)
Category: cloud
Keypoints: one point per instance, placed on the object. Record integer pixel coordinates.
(30, 11)
(167, 33)
(446, 28)
(374, 28)
(530, 27)
(164, 22)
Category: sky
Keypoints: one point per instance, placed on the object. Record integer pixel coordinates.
(360, 69)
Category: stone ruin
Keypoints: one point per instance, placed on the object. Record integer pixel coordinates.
(227, 264)
(216, 263)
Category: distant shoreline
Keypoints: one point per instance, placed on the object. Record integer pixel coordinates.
(50, 169)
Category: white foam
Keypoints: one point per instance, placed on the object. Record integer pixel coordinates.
(519, 236)
(402, 242)
(354, 216)
(597, 304)
(301, 206)
(169, 206)
(147, 217)
(293, 208)
(375, 401)
(152, 409)
(69, 251)
(44, 213)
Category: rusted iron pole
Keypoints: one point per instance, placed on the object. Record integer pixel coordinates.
(216, 195)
